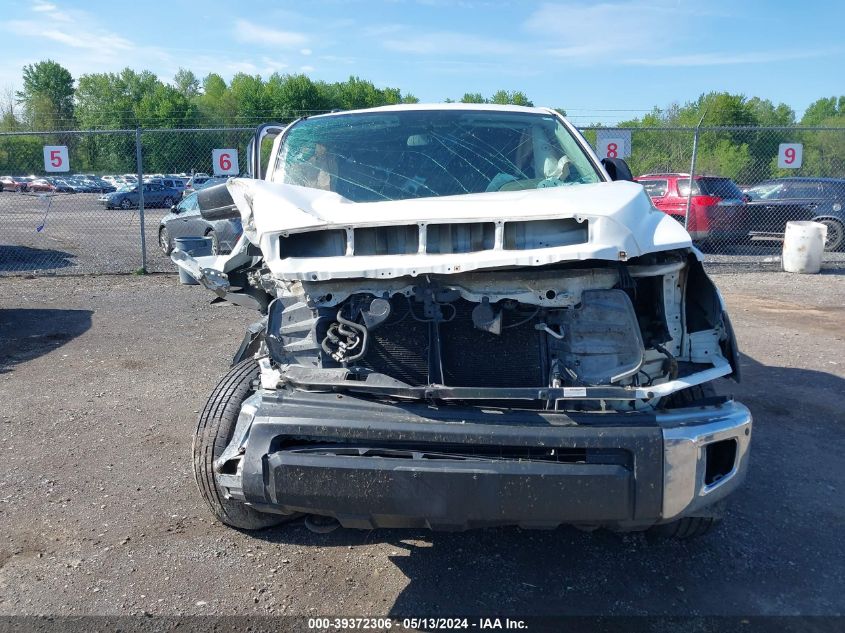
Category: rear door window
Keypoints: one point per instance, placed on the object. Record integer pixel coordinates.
(724, 188)
(802, 190)
(655, 188)
(683, 188)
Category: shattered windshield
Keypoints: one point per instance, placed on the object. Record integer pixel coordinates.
(417, 154)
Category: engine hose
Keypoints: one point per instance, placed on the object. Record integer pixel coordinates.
(673, 363)
(355, 326)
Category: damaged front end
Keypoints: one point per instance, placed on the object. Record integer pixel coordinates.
(533, 366)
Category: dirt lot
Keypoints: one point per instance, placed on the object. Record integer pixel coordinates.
(101, 379)
(78, 235)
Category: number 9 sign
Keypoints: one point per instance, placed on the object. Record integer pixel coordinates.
(790, 155)
(225, 162)
(55, 158)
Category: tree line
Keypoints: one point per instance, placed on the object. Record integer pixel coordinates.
(51, 99)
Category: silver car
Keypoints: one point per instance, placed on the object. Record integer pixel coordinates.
(184, 220)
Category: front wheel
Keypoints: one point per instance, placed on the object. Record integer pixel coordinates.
(685, 528)
(835, 235)
(214, 432)
(125, 204)
(167, 203)
(164, 241)
(215, 242)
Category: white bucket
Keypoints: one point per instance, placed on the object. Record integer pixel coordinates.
(803, 246)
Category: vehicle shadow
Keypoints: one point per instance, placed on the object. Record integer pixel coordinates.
(757, 562)
(29, 333)
(26, 258)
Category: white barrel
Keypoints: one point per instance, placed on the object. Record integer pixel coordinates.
(803, 247)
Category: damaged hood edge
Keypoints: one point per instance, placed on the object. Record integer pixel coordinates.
(622, 224)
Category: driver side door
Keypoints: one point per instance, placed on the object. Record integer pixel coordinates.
(184, 225)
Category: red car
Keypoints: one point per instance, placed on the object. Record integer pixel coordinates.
(14, 183)
(41, 185)
(717, 208)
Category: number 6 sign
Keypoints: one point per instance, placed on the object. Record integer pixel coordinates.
(225, 162)
(55, 158)
(790, 155)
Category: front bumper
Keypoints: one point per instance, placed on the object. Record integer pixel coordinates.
(412, 465)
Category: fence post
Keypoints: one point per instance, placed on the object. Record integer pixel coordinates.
(691, 174)
(140, 161)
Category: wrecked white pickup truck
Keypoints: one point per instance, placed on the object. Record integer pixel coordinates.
(468, 320)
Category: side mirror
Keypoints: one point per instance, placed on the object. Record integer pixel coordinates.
(215, 203)
(174, 208)
(617, 169)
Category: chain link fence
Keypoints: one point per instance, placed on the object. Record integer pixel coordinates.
(734, 188)
(86, 218)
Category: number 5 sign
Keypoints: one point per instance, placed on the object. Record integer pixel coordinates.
(55, 158)
(790, 155)
(225, 162)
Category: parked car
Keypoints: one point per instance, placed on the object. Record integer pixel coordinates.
(60, 185)
(41, 185)
(13, 183)
(206, 183)
(128, 197)
(197, 179)
(775, 202)
(184, 220)
(717, 210)
(493, 328)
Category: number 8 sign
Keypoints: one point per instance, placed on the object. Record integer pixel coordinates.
(225, 162)
(613, 143)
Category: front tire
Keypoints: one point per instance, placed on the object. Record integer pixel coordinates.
(125, 204)
(835, 235)
(685, 528)
(214, 431)
(215, 242)
(164, 242)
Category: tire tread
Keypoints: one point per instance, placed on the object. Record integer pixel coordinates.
(215, 427)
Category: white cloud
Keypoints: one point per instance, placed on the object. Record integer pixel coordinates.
(449, 43)
(307, 69)
(725, 59)
(251, 33)
(89, 37)
(43, 7)
(584, 32)
(305, 51)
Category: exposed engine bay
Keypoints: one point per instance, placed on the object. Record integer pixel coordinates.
(588, 336)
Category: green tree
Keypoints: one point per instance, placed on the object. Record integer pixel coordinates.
(186, 83)
(47, 96)
(473, 97)
(823, 110)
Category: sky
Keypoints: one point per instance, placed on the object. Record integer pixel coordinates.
(601, 61)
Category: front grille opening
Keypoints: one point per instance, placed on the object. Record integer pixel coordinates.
(544, 233)
(460, 238)
(387, 240)
(720, 458)
(409, 450)
(313, 244)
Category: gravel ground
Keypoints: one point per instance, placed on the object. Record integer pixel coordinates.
(78, 235)
(101, 379)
